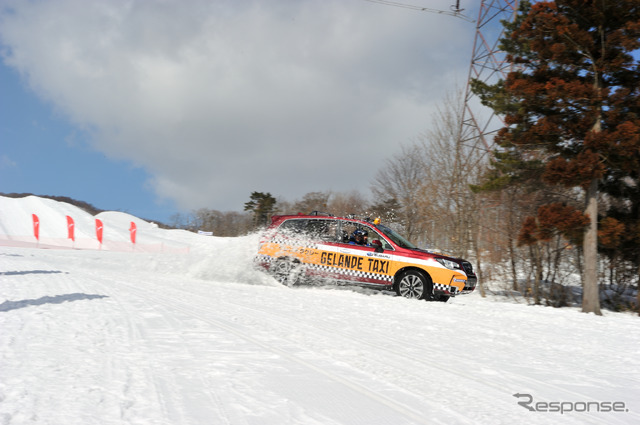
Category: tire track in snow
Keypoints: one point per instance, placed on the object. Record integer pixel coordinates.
(131, 388)
(138, 334)
(416, 370)
(402, 356)
(204, 315)
(164, 382)
(392, 342)
(104, 382)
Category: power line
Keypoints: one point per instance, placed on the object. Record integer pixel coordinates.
(455, 12)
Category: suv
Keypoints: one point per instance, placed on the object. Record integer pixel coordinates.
(347, 250)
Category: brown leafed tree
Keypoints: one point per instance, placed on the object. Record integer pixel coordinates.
(572, 104)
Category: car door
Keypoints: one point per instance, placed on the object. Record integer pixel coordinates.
(361, 264)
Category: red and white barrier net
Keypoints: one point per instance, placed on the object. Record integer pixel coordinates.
(107, 245)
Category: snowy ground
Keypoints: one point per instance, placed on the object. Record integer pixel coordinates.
(104, 337)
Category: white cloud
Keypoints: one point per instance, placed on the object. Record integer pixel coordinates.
(217, 99)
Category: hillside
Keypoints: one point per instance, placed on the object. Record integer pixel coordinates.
(85, 206)
(17, 227)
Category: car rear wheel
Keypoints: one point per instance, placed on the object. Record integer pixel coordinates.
(414, 284)
(286, 271)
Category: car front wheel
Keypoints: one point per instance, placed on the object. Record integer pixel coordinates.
(414, 284)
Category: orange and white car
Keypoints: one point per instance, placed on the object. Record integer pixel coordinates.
(296, 248)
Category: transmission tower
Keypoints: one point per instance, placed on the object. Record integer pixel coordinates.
(487, 65)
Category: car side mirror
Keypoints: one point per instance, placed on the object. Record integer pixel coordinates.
(378, 245)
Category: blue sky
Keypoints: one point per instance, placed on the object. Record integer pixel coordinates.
(44, 154)
(154, 108)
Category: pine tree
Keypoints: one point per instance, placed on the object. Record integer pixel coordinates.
(262, 205)
(572, 104)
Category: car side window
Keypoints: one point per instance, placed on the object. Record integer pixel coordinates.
(349, 227)
(293, 228)
(324, 230)
(318, 230)
(374, 235)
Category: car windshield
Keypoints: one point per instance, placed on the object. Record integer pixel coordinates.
(396, 237)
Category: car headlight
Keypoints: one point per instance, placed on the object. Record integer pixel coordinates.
(448, 263)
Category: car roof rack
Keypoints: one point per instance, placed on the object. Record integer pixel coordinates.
(326, 214)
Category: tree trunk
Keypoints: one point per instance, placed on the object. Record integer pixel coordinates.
(590, 291)
(475, 242)
(514, 270)
(538, 266)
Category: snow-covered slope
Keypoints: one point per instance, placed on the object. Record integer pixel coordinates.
(200, 337)
(16, 228)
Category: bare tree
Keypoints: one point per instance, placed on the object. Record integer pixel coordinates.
(312, 201)
(447, 202)
(403, 178)
(345, 203)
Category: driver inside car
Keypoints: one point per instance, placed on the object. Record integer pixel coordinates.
(359, 237)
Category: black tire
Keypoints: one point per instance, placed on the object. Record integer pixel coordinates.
(414, 284)
(286, 271)
(442, 298)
